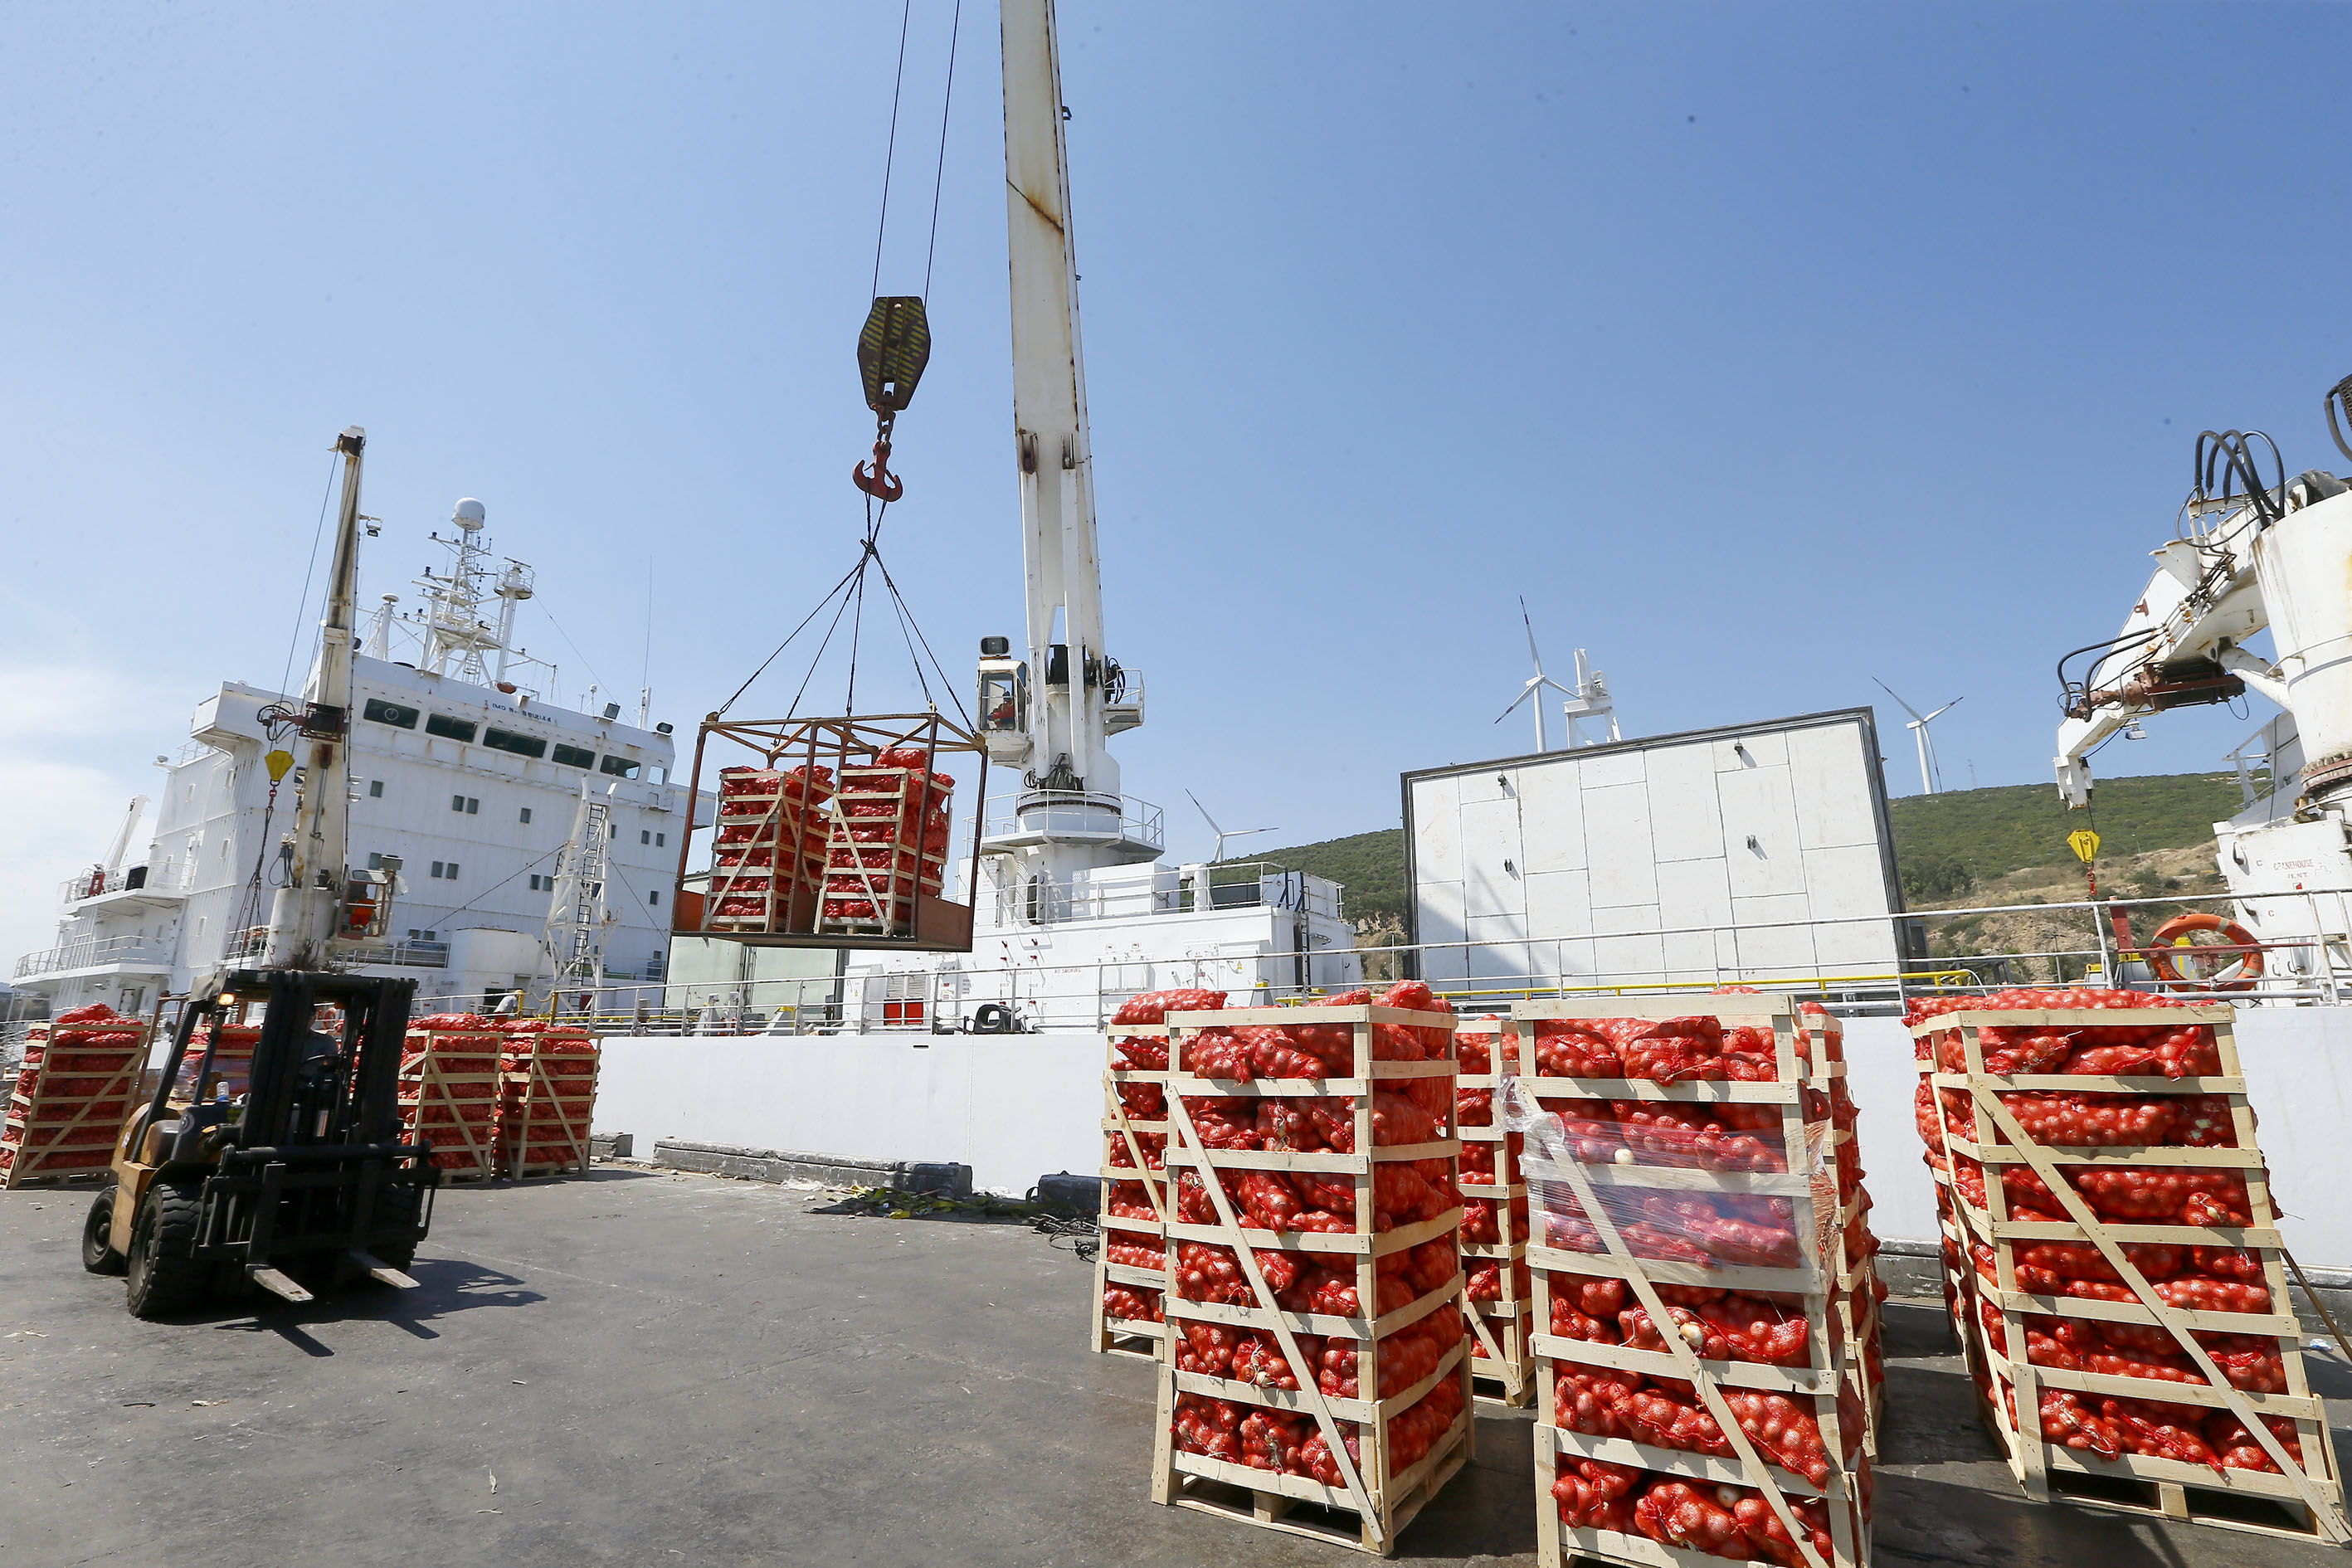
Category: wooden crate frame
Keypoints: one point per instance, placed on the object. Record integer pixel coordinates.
(1502, 1327)
(432, 1081)
(1814, 1281)
(2039, 1465)
(547, 1097)
(1383, 1503)
(50, 1126)
(1124, 1336)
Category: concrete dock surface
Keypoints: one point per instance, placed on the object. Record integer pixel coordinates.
(641, 1367)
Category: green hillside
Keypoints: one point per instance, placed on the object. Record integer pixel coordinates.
(1370, 866)
(1945, 844)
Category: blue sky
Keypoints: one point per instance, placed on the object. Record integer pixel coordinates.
(1764, 350)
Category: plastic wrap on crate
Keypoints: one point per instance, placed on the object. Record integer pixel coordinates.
(1739, 1216)
(1696, 1194)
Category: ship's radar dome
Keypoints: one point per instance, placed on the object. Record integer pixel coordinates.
(469, 514)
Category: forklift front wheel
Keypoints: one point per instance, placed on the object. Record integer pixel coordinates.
(97, 1254)
(166, 1277)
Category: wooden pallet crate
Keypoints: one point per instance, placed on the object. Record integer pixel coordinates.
(65, 1112)
(2309, 1495)
(545, 1106)
(770, 812)
(1125, 1133)
(1379, 1495)
(442, 1070)
(1572, 1188)
(1500, 1328)
(912, 867)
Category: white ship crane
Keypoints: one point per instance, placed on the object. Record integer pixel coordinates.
(317, 903)
(2248, 556)
(1050, 714)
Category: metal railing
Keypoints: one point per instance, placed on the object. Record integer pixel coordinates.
(1042, 900)
(405, 954)
(156, 877)
(1140, 821)
(2306, 958)
(92, 952)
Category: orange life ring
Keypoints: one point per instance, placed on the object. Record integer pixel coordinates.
(2174, 933)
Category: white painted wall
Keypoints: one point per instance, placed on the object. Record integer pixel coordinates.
(1017, 1107)
(1013, 1107)
(1599, 862)
(2299, 1065)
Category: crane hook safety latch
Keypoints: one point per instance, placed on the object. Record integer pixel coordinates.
(892, 350)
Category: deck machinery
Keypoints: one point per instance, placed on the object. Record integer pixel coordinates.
(2249, 555)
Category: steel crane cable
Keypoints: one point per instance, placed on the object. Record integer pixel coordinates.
(851, 588)
(890, 147)
(294, 637)
(940, 174)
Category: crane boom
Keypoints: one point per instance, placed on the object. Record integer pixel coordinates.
(305, 912)
(1049, 411)
(1049, 715)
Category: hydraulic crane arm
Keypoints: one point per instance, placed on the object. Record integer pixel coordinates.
(2180, 646)
(2184, 640)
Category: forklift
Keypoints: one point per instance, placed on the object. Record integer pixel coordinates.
(234, 1173)
(236, 1168)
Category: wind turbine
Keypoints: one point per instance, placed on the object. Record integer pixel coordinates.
(1536, 683)
(1931, 777)
(1223, 833)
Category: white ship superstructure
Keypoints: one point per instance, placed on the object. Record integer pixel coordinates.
(460, 772)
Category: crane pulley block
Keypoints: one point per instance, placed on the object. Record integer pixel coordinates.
(892, 351)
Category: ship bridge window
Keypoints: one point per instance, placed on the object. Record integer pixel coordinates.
(619, 766)
(574, 756)
(520, 745)
(450, 728)
(391, 713)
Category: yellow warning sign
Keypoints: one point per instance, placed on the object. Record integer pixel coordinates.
(2084, 843)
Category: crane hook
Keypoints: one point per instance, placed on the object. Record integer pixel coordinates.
(875, 478)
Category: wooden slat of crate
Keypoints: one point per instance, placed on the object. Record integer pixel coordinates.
(1506, 1331)
(1559, 1543)
(1266, 1498)
(48, 1127)
(1814, 1281)
(1121, 1132)
(2317, 1488)
(1383, 1503)
(1500, 1327)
